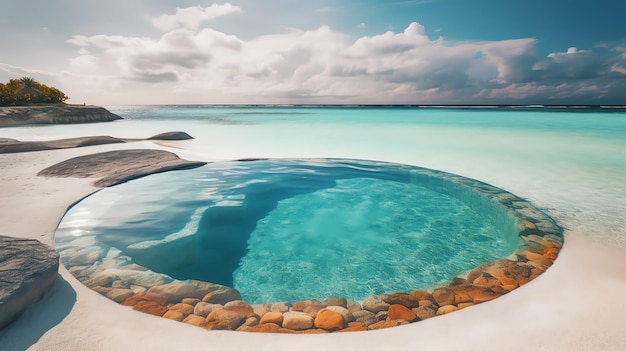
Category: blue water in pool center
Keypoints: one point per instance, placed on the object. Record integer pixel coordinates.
(365, 236)
(280, 230)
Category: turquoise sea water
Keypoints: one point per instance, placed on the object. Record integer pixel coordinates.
(571, 163)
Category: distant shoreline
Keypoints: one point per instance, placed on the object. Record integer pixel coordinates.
(569, 108)
(11, 116)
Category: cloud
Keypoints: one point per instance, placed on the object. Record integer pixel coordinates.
(616, 45)
(176, 52)
(85, 62)
(391, 42)
(573, 76)
(148, 76)
(12, 72)
(572, 64)
(513, 59)
(192, 17)
(618, 69)
(187, 64)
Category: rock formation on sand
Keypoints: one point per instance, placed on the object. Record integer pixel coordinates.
(29, 269)
(11, 145)
(54, 114)
(171, 136)
(115, 167)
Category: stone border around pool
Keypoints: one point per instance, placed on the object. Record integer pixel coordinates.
(216, 307)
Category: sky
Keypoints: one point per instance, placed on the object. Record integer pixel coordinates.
(119, 52)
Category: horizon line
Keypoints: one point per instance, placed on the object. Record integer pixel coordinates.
(532, 106)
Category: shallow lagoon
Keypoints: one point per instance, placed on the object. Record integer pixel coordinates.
(292, 230)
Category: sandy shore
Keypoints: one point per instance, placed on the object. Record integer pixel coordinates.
(578, 304)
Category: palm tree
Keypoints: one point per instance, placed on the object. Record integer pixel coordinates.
(29, 87)
(26, 91)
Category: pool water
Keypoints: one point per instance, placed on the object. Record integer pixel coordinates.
(291, 230)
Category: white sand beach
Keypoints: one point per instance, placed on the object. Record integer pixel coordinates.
(519, 119)
(578, 304)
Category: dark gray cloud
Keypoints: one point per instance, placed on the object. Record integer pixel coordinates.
(573, 65)
(153, 77)
(156, 60)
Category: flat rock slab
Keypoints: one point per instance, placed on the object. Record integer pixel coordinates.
(171, 136)
(12, 146)
(54, 114)
(28, 269)
(115, 167)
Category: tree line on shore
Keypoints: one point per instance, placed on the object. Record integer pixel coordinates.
(26, 90)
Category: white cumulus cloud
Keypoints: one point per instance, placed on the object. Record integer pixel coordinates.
(193, 17)
(190, 64)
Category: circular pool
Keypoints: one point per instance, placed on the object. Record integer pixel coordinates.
(288, 230)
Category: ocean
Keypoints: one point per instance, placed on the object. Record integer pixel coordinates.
(570, 162)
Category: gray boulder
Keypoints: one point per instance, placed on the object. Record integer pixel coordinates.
(171, 136)
(28, 269)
